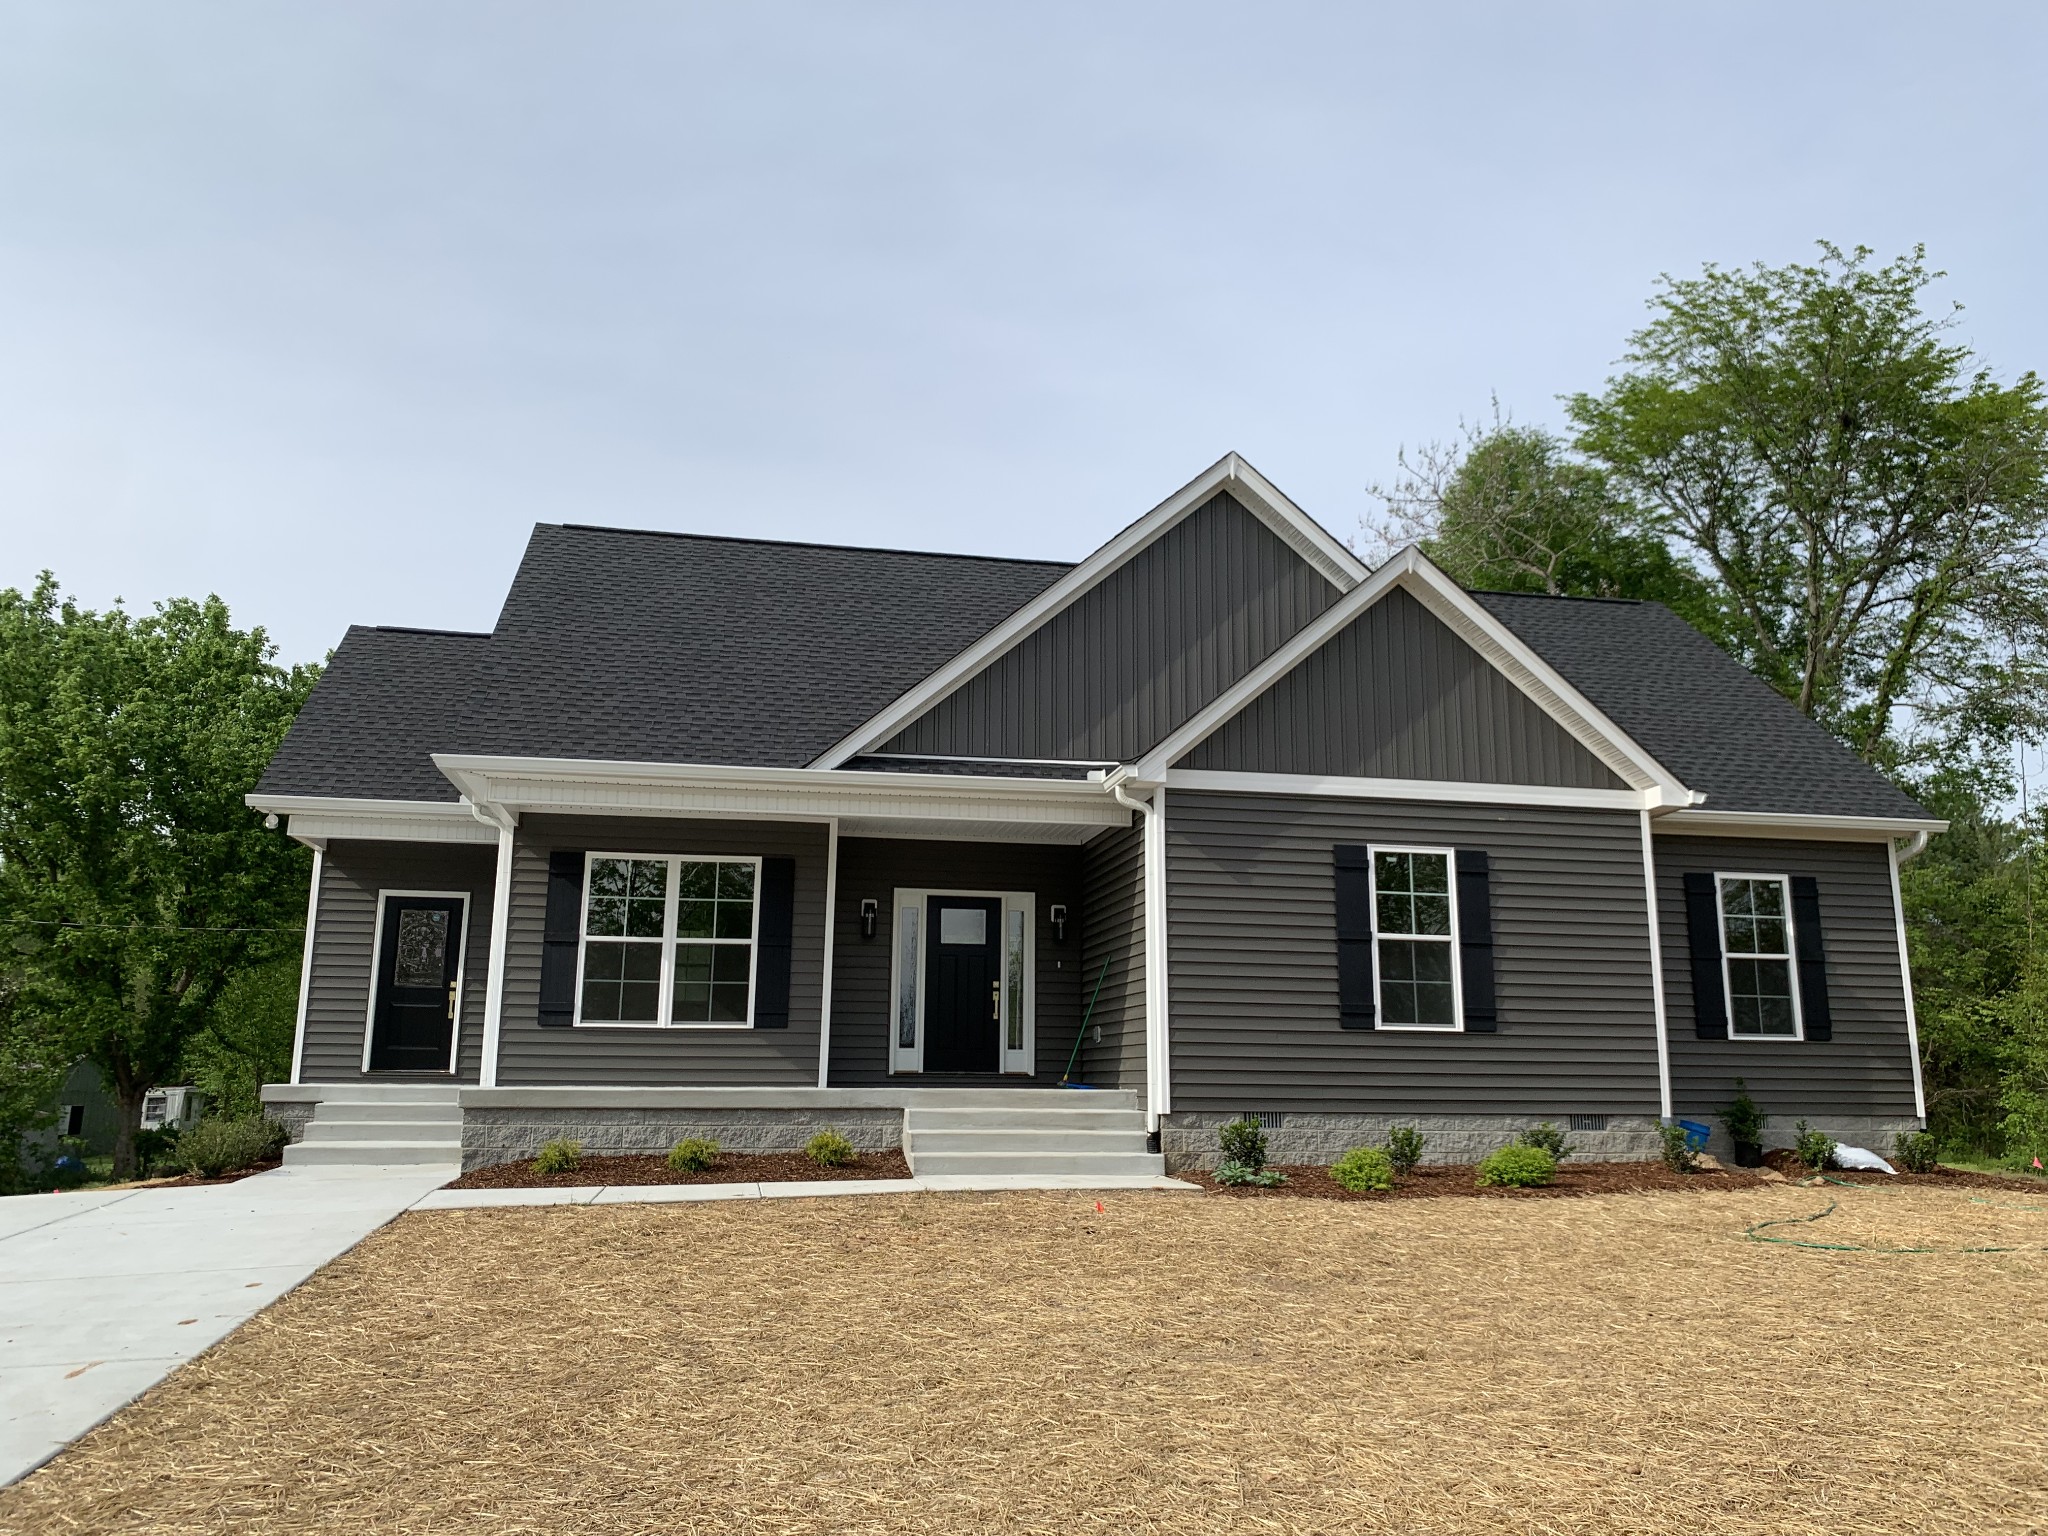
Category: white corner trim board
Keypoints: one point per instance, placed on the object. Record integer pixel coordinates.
(1658, 1010)
(1294, 527)
(306, 964)
(825, 970)
(1499, 646)
(1906, 980)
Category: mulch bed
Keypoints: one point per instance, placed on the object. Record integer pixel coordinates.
(1461, 1179)
(645, 1168)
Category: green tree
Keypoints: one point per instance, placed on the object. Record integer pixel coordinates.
(135, 885)
(1872, 503)
(1510, 508)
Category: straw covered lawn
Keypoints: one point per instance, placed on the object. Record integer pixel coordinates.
(1172, 1363)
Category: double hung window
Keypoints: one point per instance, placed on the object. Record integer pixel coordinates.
(1756, 956)
(668, 939)
(1415, 929)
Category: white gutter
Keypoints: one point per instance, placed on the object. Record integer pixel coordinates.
(1158, 1087)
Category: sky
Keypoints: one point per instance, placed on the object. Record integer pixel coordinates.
(321, 307)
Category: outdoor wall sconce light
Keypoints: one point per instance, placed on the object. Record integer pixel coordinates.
(1058, 915)
(869, 910)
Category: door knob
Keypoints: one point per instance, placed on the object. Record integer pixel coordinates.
(451, 999)
(995, 999)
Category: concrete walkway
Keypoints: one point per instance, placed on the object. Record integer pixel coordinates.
(104, 1293)
(658, 1194)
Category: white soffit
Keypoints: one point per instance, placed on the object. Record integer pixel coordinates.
(1859, 829)
(1500, 647)
(1324, 552)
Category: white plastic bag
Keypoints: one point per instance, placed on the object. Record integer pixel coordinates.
(1856, 1157)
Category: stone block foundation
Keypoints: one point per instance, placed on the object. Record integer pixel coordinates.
(504, 1135)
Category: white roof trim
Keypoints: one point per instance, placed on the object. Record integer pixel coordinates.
(1466, 618)
(1449, 791)
(1294, 527)
(577, 785)
(1772, 823)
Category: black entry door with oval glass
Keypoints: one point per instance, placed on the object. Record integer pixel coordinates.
(418, 955)
(963, 985)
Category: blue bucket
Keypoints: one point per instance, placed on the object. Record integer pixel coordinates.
(1696, 1134)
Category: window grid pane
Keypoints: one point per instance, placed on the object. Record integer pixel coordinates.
(1412, 920)
(710, 949)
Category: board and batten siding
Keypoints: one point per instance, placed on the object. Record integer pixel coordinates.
(1113, 901)
(344, 939)
(1157, 639)
(1253, 1008)
(1396, 695)
(590, 1056)
(876, 868)
(1867, 1067)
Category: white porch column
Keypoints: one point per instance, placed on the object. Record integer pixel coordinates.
(494, 983)
(1891, 852)
(1158, 1071)
(306, 962)
(831, 923)
(1657, 972)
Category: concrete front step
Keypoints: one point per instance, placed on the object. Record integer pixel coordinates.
(392, 1114)
(1001, 1117)
(314, 1154)
(998, 1141)
(389, 1093)
(999, 1164)
(321, 1129)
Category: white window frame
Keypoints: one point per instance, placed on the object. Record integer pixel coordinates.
(1379, 970)
(1790, 957)
(461, 972)
(666, 986)
(1022, 1062)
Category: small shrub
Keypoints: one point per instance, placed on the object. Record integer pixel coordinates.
(1676, 1150)
(693, 1154)
(1244, 1143)
(214, 1148)
(562, 1155)
(1364, 1168)
(1917, 1152)
(1244, 1173)
(829, 1149)
(1517, 1166)
(1745, 1122)
(1548, 1137)
(1404, 1148)
(1814, 1148)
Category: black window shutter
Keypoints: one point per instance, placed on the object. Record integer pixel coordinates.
(1703, 930)
(771, 966)
(1475, 940)
(1355, 1006)
(1812, 959)
(559, 938)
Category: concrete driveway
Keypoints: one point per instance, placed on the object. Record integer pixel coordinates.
(103, 1294)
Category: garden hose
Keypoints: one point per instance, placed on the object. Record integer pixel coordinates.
(1066, 1077)
(1755, 1233)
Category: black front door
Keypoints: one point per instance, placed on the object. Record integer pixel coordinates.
(417, 956)
(962, 980)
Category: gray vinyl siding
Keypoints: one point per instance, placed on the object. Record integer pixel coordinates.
(529, 1054)
(1155, 641)
(344, 937)
(876, 868)
(1867, 1067)
(1396, 695)
(1113, 898)
(1254, 963)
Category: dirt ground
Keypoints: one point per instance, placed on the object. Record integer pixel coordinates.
(1170, 1362)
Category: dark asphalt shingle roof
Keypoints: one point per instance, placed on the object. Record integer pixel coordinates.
(1698, 711)
(655, 647)
(386, 700)
(652, 647)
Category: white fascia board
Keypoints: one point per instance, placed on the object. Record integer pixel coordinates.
(1437, 790)
(1294, 527)
(1413, 572)
(316, 819)
(1858, 829)
(805, 794)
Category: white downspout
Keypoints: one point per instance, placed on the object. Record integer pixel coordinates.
(306, 964)
(1657, 974)
(501, 927)
(1894, 859)
(831, 922)
(1158, 1088)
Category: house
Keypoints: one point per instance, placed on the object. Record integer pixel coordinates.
(742, 838)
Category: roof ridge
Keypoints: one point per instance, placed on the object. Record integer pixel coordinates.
(863, 549)
(1562, 597)
(422, 629)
